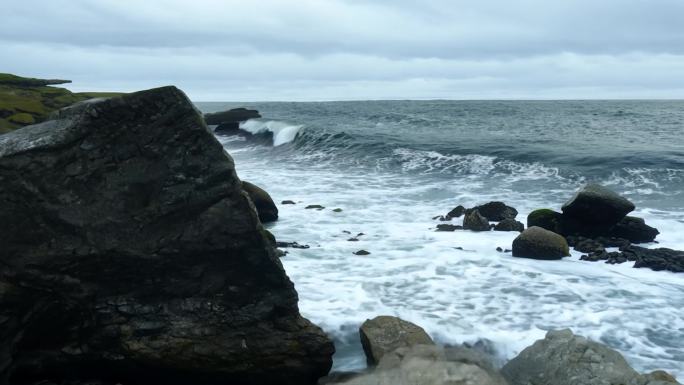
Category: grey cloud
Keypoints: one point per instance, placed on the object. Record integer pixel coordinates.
(443, 29)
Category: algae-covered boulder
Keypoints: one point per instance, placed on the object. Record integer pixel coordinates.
(384, 334)
(597, 204)
(539, 243)
(546, 219)
(268, 212)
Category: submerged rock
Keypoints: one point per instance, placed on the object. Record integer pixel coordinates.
(384, 334)
(597, 204)
(448, 227)
(475, 222)
(538, 243)
(131, 253)
(362, 252)
(563, 358)
(266, 208)
(316, 207)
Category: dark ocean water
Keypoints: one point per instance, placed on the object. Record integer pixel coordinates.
(393, 165)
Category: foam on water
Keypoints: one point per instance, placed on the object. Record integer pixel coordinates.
(458, 295)
(392, 166)
(282, 132)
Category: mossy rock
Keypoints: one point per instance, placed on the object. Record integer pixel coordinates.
(539, 243)
(546, 219)
(22, 118)
(25, 101)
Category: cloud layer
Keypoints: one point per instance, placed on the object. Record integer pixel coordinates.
(353, 49)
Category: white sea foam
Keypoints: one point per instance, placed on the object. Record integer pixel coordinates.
(282, 132)
(459, 295)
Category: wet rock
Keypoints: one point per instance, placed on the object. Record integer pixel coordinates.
(431, 365)
(337, 210)
(563, 358)
(352, 239)
(384, 334)
(475, 222)
(597, 204)
(316, 207)
(500, 250)
(287, 202)
(546, 219)
(509, 225)
(634, 230)
(456, 212)
(361, 252)
(266, 208)
(655, 259)
(538, 243)
(585, 245)
(292, 245)
(235, 115)
(496, 211)
(448, 227)
(131, 254)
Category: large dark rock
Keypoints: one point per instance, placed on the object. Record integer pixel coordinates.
(131, 253)
(266, 208)
(383, 334)
(597, 205)
(563, 358)
(234, 115)
(496, 211)
(634, 230)
(538, 243)
(475, 222)
(546, 219)
(509, 225)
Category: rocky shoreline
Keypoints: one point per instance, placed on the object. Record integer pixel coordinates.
(134, 254)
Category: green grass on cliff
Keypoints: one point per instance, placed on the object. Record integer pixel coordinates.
(26, 101)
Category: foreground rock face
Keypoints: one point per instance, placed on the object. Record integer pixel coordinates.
(430, 365)
(130, 253)
(563, 358)
(538, 243)
(383, 334)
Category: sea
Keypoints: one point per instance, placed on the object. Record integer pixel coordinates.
(392, 166)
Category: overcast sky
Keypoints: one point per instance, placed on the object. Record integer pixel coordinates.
(226, 50)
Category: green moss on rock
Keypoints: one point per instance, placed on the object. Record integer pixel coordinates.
(25, 101)
(546, 219)
(22, 118)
